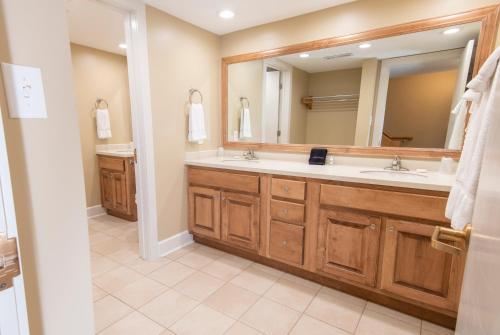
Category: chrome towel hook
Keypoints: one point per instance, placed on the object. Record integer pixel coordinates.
(242, 100)
(192, 91)
(99, 102)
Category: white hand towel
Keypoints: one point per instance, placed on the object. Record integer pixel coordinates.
(459, 116)
(462, 197)
(103, 123)
(245, 124)
(196, 131)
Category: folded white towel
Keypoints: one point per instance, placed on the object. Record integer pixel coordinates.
(462, 197)
(245, 124)
(196, 131)
(103, 123)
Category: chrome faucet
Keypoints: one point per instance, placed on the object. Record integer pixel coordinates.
(396, 165)
(250, 154)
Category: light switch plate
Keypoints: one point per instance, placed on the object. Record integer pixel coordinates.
(24, 89)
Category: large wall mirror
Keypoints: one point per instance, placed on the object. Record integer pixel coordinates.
(393, 90)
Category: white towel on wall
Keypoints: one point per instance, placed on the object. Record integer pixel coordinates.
(103, 123)
(196, 131)
(245, 124)
(463, 193)
(459, 116)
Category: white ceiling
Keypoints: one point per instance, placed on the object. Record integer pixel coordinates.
(397, 46)
(248, 13)
(95, 25)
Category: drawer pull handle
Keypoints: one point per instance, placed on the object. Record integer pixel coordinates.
(372, 226)
(285, 188)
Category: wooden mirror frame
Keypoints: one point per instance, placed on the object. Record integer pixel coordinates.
(487, 16)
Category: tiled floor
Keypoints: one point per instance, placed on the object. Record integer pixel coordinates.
(199, 290)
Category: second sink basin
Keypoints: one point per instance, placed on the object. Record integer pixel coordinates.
(394, 173)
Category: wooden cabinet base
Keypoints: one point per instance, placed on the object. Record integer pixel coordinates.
(132, 218)
(444, 318)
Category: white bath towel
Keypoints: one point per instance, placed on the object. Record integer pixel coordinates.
(463, 193)
(103, 123)
(196, 131)
(459, 114)
(245, 124)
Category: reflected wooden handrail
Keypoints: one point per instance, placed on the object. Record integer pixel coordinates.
(394, 141)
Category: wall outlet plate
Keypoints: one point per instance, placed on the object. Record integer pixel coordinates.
(24, 90)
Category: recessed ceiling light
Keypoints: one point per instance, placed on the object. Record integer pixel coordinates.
(451, 31)
(226, 14)
(122, 46)
(304, 55)
(365, 46)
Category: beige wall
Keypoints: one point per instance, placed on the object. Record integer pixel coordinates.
(100, 74)
(47, 175)
(328, 126)
(419, 106)
(342, 20)
(181, 56)
(245, 80)
(367, 91)
(298, 113)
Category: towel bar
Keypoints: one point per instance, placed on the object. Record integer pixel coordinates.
(192, 91)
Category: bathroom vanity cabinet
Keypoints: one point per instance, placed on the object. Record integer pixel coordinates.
(117, 178)
(368, 240)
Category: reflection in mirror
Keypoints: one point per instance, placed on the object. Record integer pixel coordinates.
(400, 91)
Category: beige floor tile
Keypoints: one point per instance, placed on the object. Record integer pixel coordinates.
(202, 321)
(435, 329)
(130, 235)
(236, 260)
(267, 269)
(134, 324)
(140, 292)
(301, 281)
(98, 225)
(172, 273)
(270, 317)
(125, 256)
(373, 323)
(114, 280)
(167, 332)
(310, 326)
(199, 285)
(146, 267)
(241, 329)
(393, 314)
(98, 293)
(101, 264)
(108, 310)
(109, 247)
(336, 310)
(223, 268)
(182, 251)
(255, 280)
(291, 294)
(231, 300)
(97, 236)
(343, 296)
(198, 258)
(169, 307)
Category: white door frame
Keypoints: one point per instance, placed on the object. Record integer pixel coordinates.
(142, 122)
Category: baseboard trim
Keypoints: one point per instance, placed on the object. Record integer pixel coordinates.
(174, 243)
(95, 211)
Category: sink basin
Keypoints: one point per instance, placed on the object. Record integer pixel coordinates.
(389, 173)
(240, 160)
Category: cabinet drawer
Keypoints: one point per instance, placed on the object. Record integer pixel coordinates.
(290, 189)
(287, 211)
(286, 242)
(391, 202)
(225, 180)
(110, 163)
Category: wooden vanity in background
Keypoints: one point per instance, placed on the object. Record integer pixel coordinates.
(117, 179)
(367, 240)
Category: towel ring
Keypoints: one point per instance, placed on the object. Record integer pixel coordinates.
(242, 100)
(192, 91)
(100, 101)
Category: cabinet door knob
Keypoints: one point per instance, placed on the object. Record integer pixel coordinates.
(285, 188)
(284, 243)
(373, 226)
(390, 229)
(285, 211)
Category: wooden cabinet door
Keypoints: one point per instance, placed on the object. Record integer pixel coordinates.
(413, 269)
(240, 220)
(120, 194)
(204, 211)
(348, 244)
(106, 189)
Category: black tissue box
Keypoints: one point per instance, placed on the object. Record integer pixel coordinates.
(318, 156)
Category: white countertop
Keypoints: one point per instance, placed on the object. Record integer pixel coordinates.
(116, 153)
(348, 173)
